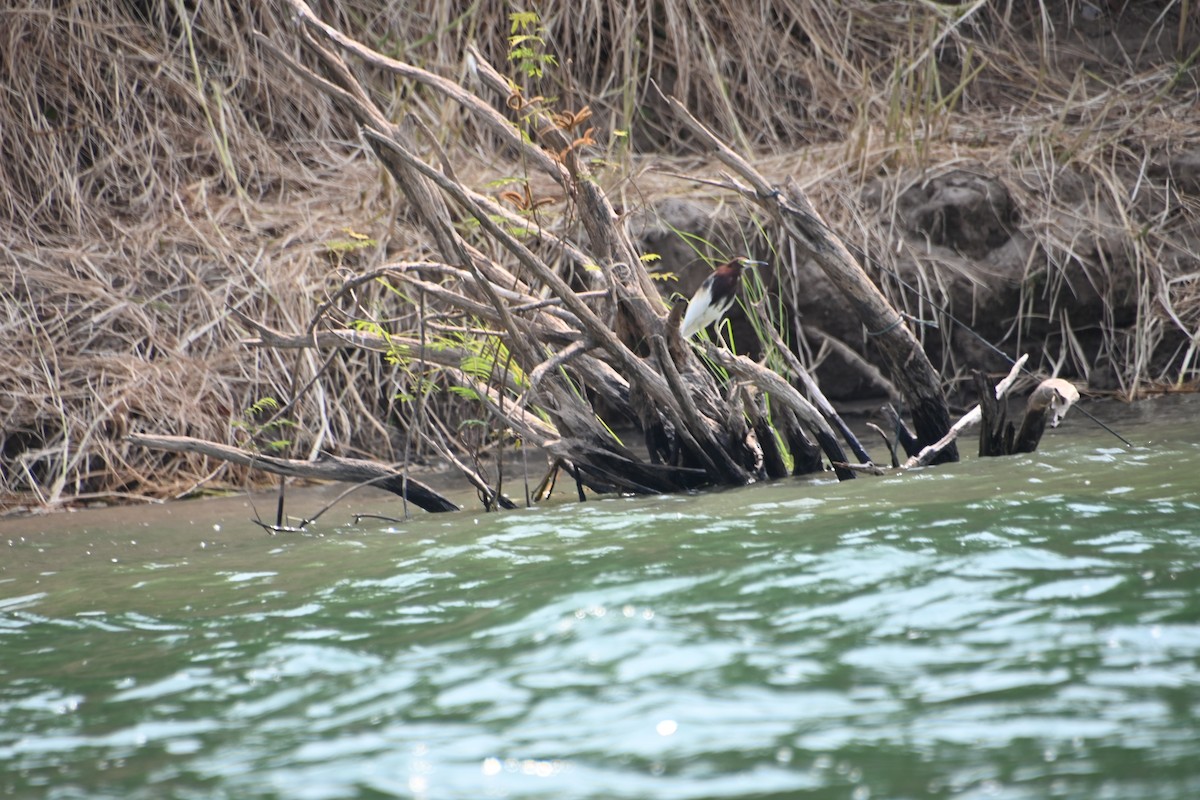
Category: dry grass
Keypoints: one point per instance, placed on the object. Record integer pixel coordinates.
(157, 167)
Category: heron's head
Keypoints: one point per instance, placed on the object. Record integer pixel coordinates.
(742, 262)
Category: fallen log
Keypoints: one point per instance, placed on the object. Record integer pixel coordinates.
(613, 327)
(537, 350)
(326, 467)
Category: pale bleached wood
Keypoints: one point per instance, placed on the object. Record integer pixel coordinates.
(972, 417)
(326, 467)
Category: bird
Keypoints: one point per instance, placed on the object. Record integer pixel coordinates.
(715, 296)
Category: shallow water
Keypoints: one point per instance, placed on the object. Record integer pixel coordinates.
(1025, 627)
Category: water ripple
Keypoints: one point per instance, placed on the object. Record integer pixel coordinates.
(1018, 629)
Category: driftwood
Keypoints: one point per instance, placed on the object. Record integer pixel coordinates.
(806, 379)
(972, 417)
(721, 451)
(325, 468)
(572, 319)
(1047, 405)
(792, 400)
(908, 366)
(899, 433)
(702, 435)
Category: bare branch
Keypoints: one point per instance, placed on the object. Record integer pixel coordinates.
(972, 417)
(790, 208)
(326, 467)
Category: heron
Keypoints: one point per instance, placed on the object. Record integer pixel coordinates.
(715, 296)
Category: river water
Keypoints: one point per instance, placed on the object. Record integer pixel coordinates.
(1025, 627)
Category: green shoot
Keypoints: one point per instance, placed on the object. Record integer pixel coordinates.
(526, 44)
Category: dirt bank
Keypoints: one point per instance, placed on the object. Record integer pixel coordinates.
(1032, 173)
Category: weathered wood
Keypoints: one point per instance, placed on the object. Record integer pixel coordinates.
(694, 415)
(995, 431)
(900, 432)
(489, 496)
(704, 432)
(1046, 406)
(818, 397)
(806, 456)
(717, 457)
(929, 454)
(773, 463)
(908, 366)
(612, 338)
(785, 394)
(888, 441)
(326, 467)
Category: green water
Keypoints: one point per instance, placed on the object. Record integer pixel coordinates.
(1004, 628)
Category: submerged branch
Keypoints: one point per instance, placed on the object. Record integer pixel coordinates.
(972, 417)
(326, 468)
(785, 394)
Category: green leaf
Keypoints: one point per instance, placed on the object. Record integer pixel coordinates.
(522, 19)
(367, 326)
(265, 404)
(348, 245)
(506, 181)
(516, 42)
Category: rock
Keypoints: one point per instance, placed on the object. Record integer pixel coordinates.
(970, 213)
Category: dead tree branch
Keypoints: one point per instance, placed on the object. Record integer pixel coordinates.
(972, 417)
(908, 366)
(325, 468)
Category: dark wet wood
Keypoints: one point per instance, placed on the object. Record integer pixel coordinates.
(1000, 437)
(995, 430)
(907, 365)
(899, 431)
(326, 468)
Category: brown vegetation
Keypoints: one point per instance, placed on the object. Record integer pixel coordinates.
(160, 168)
